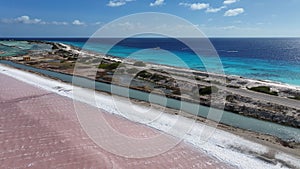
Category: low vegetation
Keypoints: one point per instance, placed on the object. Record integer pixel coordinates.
(208, 90)
(144, 74)
(263, 89)
(295, 97)
(110, 66)
(233, 86)
(157, 77)
(176, 91)
(198, 78)
(63, 65)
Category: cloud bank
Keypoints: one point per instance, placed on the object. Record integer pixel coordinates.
(23, 19)
(27, 20)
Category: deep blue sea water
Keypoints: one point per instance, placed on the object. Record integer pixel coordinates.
(275, 59)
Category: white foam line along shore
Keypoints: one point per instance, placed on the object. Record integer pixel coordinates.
(85, 53)
(222, 145)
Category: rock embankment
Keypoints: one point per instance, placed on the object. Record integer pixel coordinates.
(262, 110)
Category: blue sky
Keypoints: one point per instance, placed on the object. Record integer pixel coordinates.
(216, 18)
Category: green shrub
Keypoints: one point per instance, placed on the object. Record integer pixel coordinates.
(198, 78)
(157, 77)
(66, 65)
(263, 89)
(208, 90)
(114, 65)
(144, 74)
(295, 97)
(110, 66)
(103, 66)
(176, 91)
(233, 86)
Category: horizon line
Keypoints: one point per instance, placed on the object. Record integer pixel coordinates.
(86, 37)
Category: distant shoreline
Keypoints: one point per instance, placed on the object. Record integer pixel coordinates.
(84, 39)
(241, 101)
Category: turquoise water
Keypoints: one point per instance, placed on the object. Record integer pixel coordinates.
(263, 59)
(14, 48)
(232, 119)
(274, 59)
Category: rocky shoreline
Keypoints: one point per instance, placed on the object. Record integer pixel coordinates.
(263, 100)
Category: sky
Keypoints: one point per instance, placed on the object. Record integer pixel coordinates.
(215, 18)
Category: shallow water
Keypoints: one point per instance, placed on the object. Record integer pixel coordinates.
(14, 48)
(275, 59)
(232, 119)
(264, 59)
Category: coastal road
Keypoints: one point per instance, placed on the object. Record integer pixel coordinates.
(40, 129)
(265, 97)
(246, 93)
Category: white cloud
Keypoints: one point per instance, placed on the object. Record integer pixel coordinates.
(226, 2)
(27, 20)
(22, 19)
(117, 3)
(59, 23)
(214, 10)
(234, 12)
(157, 3)
(78, 22)
(199, 6)
(195, 6)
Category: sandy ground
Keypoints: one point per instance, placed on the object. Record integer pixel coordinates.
(40, 129)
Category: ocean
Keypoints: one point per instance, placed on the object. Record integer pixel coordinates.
(274, 59)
